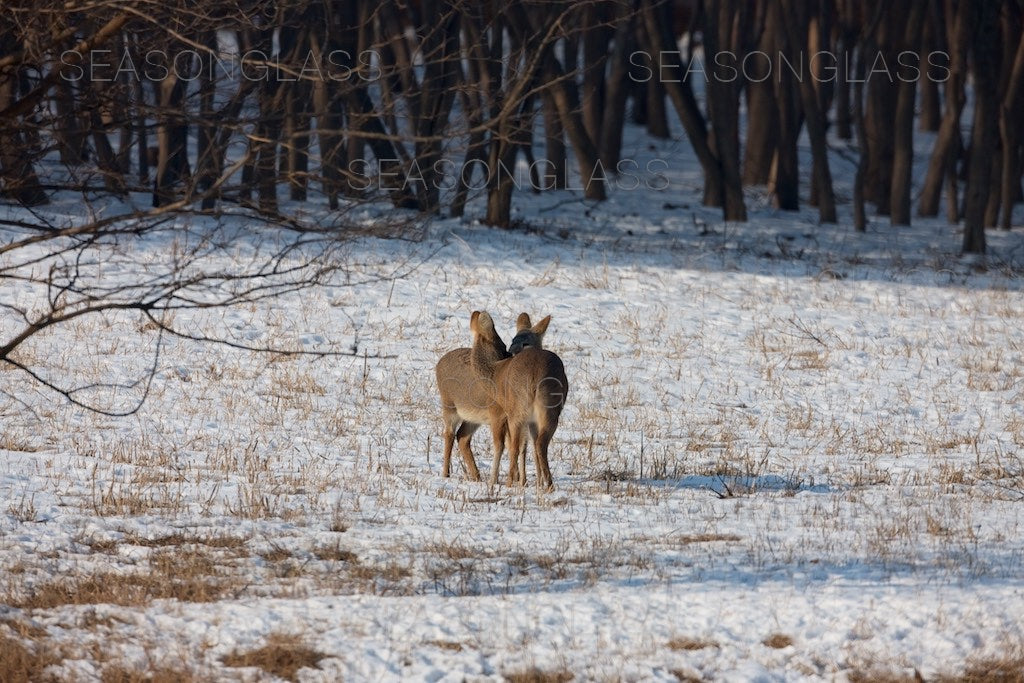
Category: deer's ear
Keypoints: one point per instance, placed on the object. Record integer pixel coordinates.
(523, 322)
(540, 328)
(480, 323)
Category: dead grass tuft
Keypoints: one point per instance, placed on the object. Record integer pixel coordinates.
(106, 545)
(24, 629)
(116, 589)
(1006, 668)
(685, 643)
(282, 655)
(689, 539)
(777, 641)
(20, 663)
(121, 674)
(388, 573)
(455, 551)
(536, 675)
(187, 575)
(335, 553)
(879, 675)
(686, 676)
(219, 542)
(276, 554)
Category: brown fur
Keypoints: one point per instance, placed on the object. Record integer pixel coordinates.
(529, 391)
(466, 397)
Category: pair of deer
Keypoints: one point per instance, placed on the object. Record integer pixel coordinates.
(512, 390)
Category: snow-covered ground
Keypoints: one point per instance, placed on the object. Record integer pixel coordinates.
(789, 452)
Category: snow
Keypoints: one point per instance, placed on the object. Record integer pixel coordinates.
(772, 428)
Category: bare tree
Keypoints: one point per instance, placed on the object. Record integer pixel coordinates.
(1011, 113)
(66, 273)
(903, 138)
(985, 127)
(279, 105)
(795, 28)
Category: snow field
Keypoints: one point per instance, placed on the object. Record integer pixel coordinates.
(773, 435)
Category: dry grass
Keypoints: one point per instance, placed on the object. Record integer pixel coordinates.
(20, 663)
(777, 641)
(282, 655)
(119, 589)
(687, 644)
(175, 572)
(119, 673)
(384, 577)
(24, 629)
(882, 675)
(1005, 668)
(689, 539)
(225, 542)
(24, 510)
(536, 675)
(16, 442)
(276, 553)
(335, 553)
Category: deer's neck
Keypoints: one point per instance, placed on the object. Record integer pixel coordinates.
(483, 359)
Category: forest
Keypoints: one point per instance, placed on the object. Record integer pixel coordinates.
(427, 104)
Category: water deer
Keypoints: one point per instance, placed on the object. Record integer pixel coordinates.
(466, 397)
(528, 391)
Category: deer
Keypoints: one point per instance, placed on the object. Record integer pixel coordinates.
(528, 392)
(466, 397)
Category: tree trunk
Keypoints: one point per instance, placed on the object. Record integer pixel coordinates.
(860, 221)
(903, 138)
(18, 179)
(655, 111)
(947, 144)
(1011, 113)
(566, 98)
(846, 29)
(878, 118)
(668, 62)
(207, 157)
(554, 141)
(651, 90)
(723, 101)
(994, 193)
(614, 116)
(785, 177)
(437, 92)
(934, 62)
(865, 46)
(476, 80)
(641, 69)
(69, 135)
(296, 138)
(595, 16)
(762, 112)
(762, 132)
(983, 129)
(501, 166)
(172, 139)
(270, 98)
(796, 22)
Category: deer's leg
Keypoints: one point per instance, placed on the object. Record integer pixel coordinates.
(464, 435)
(499, 432)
